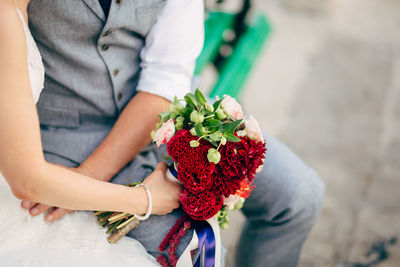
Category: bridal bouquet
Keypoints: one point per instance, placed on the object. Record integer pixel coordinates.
(216, 153)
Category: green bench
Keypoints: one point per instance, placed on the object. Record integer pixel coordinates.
(234, 69)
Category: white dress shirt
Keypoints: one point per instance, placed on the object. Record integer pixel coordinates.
(171, 49)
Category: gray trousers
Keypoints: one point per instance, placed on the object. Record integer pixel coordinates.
(281, 211)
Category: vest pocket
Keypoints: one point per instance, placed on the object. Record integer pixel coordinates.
(57, 117)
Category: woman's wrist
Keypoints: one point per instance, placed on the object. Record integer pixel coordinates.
(149, 206)
(139, 200)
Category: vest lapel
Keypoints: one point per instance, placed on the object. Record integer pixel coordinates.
(94, 5)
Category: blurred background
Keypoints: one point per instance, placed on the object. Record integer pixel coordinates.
(324, 77)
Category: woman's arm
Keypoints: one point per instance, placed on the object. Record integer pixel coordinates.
(22, 162)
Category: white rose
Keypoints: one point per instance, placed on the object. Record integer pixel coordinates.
(232, 107)
(164, 133)
(253, 130)
(231, 201)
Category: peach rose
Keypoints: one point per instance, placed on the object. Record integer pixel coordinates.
(232, 107)
(253, 130)
(164, 133)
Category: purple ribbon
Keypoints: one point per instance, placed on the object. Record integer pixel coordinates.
(207, 241)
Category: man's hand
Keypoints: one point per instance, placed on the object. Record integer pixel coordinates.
(54, 213)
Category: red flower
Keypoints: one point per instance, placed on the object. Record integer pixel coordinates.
(176, 146)
(201, 206)
(197, 180)
(239, 161)
(205, 183)
(194, 170)
(245, 188)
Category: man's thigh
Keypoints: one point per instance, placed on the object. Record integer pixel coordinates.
(284, 187)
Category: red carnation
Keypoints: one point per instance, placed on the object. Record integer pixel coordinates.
(201, 206)
(239, 161)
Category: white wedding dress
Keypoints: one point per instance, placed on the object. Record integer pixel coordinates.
(75, 240)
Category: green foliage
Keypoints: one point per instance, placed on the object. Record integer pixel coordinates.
(194, 143)
(191, 100)
(213, 155)
(230, 127)
(213, 123)
(231, 138)
(200, 97)
(199, 130)
(222, 216)
(209, 122)
(217, 104)
(217, 136)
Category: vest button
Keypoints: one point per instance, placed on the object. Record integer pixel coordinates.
(119, 96)
(118, 2)
(115, 72)
(107, 32)
(105, 47)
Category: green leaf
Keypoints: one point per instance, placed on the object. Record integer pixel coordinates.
(164, 116)
(199, 130)
(214, 143)
(213, 123)
(204, 111)
(173, 115)
(200, 97)
(231, 138)
(215, 136)
(230, 127)
(191, 100)
(185, 112)
(217, 104)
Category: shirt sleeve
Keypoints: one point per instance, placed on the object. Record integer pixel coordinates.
(171, 48)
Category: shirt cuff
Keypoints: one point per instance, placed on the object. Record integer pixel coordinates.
(165, 83)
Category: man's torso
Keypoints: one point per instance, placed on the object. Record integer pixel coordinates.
(92, 67)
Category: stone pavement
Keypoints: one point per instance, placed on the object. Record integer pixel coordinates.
(330, 82)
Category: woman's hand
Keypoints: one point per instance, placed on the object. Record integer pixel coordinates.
(165, 193)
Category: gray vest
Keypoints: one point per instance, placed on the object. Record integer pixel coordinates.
(92, 67)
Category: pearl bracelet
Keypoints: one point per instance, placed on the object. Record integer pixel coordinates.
(147, 215)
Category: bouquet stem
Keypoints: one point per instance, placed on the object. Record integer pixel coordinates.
(117, 217)
(128, 226)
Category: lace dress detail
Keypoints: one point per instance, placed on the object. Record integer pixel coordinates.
(76, 240)
(35, 64)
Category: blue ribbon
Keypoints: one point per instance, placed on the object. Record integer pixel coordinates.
(207, 241)
(205, 234)
(173, 170)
